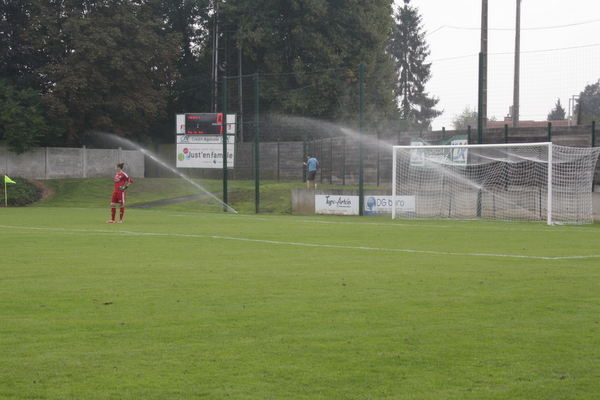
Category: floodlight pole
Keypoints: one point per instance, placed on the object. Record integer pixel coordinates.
(215, 55)
(515, 110)
(482, 112)
(480, 101)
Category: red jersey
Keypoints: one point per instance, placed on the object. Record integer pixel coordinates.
(121, 179)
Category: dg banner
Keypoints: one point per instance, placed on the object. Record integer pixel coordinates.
(419, 158)
(374, 204)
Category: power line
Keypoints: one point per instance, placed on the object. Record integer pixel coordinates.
(522, 52)
(512, 29)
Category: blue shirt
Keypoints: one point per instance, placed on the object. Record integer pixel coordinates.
(312, 164)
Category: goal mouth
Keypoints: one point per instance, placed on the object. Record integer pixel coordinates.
(503, 182)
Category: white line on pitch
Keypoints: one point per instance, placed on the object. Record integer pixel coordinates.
(330, 246)
(455, 223)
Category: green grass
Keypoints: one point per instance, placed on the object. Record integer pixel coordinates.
(274, 196)
(178, 303)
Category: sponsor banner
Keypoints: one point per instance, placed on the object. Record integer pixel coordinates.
(378, 205)
(456, 157)
(374, 205)
(204, 155)
(336, 204)
(212, 139)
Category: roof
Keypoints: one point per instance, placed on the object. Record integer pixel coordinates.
(527, 124)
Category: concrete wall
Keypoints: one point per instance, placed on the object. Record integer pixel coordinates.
(59, 163)
(28, 165)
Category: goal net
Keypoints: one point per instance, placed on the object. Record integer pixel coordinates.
(514, 182)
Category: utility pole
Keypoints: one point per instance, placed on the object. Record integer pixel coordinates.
(484, 52)
(515, 108)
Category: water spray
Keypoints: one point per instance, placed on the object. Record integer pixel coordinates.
(147, 153)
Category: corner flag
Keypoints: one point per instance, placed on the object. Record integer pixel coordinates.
(6, 180)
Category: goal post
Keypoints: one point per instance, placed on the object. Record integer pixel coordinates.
(508, 182)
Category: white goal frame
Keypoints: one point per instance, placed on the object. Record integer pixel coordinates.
(549, 162)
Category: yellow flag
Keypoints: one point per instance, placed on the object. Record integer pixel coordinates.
(8, 180)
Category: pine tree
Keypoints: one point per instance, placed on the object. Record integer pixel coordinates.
(409, 51)
(558, 112)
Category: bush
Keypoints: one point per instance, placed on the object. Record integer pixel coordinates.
(20, 193)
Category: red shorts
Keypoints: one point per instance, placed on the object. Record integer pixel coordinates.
(118, 197)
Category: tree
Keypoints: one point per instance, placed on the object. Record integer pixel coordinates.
(111, 65)
(192, 21)
(308, 54)
(467, 118)
(557, 113)
(588, 106)
(18, 60)
(409, 51)
(23, 117)
(23, 122)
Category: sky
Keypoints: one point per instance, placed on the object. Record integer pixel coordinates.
(560, 54)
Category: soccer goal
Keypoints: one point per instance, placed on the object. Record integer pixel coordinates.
(510, 182)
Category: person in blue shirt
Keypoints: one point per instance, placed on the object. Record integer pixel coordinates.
(313, 165)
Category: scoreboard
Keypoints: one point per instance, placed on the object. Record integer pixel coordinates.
(204, 124)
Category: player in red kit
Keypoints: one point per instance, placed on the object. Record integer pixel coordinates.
(122, 182)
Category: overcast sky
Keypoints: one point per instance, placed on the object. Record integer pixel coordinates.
(560, 54)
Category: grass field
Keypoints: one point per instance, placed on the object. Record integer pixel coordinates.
(184, 301)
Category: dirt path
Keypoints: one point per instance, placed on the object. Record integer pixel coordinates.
(170, 201)
(47, 191)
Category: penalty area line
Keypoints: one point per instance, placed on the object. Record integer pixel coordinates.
(278, 242)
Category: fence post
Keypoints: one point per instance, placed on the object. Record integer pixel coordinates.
(84, 161)
(378, 155)
(344, 160)
(321, 158)
(593, 141)
(304, 154)
(331, 159)
(361, 109)
(224, 139)
(256, 147)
